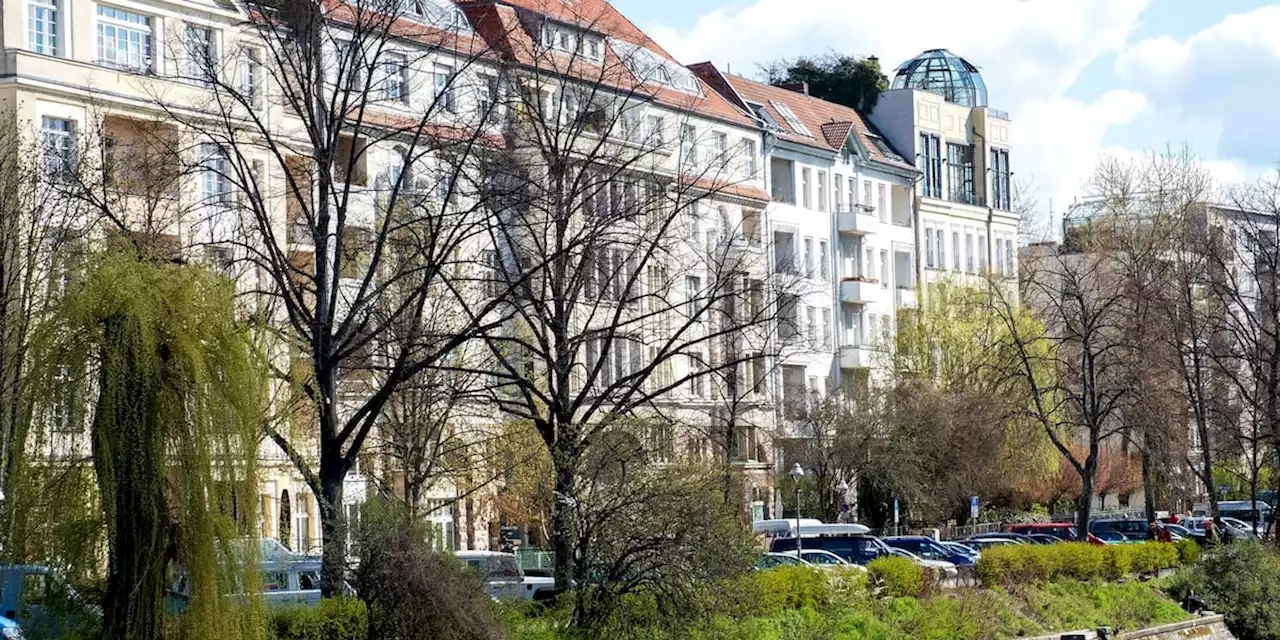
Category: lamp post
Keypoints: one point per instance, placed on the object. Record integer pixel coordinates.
(796, 473)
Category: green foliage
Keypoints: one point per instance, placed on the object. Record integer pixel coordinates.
(178, 408)
(1188, 551)
(898, 577)
(332, 619)
(1010, 565)
(789, 588)
(1240, 581)
(853, 82)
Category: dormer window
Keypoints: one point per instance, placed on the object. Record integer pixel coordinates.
(441, 14)
(566, 39)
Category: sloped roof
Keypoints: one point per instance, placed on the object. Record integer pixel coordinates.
(500, 23)
(829, 123)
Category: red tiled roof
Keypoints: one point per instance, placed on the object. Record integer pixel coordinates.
(499, 23)
(830, 123)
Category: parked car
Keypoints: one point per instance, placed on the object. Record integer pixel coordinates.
(1061, 530)
(1132, 530)
(1239, 530)
(1181, 531)
(10, 630)
(782, 527)
(1007, 535)
(929, 549)
(944, 568)
(36, 599)
(1245, 529)
(1241, 510)
(503, 579)
(1044, 538)
(822, 559)
(774, 560)
(289, 579)
(1109, 537)
(854, 548)
(959, 547)
(984, 543)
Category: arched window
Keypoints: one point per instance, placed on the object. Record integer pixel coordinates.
(397, 167)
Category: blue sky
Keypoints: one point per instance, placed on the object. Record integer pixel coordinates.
(1083, 79)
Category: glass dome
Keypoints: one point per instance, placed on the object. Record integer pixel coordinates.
(944, 73)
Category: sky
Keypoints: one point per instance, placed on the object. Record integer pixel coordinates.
(1081, 79)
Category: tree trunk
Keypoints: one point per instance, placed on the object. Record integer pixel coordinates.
(1206, 466)
(333, 567)
(1148, 487)
(1084, 503)
(562, 522)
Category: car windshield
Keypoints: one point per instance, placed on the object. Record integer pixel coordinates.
(821, 558)
(495, 567)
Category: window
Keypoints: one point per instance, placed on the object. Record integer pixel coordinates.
(1000, 255)
(302, 525)
(124, 39)
(931, 164)
(866, 192)
(214, 185)
(200, 56)
(60, 406)
(720, 142)
(442, 78)
(824, 262)
(692, 291)
(930, 257)
(58, 137)
(351, 66)
(1002, 191)
(1008, 256)
(656, 127)
(806, 194)
(42, 18)
(968, 252)
(960, 173)
(811, 326)
(839, 192)
(822, 191)
(869, 270)
(808, 257)
(881, 205)
(488, 99)
(689, 143)
(955, 250)
(884, 268)
(982, 251)
(395, 77)
(749, 163)
(790, 117)
(826, 327)
(942, 248)
(251, 76)
(885, 330)
(697, 371)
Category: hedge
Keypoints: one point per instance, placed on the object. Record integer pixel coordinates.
(331, 619)
(1022, 564)
(899, 577)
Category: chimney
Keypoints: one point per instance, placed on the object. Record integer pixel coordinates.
(798, 87)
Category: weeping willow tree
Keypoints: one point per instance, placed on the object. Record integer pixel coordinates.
(176, 395)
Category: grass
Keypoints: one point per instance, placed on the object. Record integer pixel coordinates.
(968, 614)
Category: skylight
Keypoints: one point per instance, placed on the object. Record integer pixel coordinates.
(652, 68)
(792, 121)
(442, 14)
(762, 114)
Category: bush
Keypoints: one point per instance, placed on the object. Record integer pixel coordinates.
(1242, 582)
(1188, 551)
(1022, 564)
(789, 588)
(898, 577)
(332, 619)
(413, 591)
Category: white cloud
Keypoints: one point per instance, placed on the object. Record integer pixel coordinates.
(1030, 52)
(1227, 74)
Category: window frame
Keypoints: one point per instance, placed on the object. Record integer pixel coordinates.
(50, 42)
(145, 28)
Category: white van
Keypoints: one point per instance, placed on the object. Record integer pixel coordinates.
(504, 580)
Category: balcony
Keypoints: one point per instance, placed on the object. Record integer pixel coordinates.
(856, 357)
(904, 298)
(856, 219)
(861, 291)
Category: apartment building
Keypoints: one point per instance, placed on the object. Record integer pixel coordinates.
(103, 79)
(936, 113)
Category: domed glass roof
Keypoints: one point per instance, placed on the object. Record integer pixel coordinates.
(944, 73)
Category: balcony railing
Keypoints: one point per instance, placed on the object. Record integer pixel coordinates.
(967, 197)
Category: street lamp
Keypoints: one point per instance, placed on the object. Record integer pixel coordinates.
(796, 473)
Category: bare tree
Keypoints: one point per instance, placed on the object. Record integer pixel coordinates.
(629, 263)
(1073, 365)
(355, 195)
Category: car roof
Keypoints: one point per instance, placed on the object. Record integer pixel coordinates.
(909, 538)
(1039, 525)
(484, 554)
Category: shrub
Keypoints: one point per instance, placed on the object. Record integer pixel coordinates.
(332, 619)
(898, 577)
(1021, 564)
(1188, 551)
(790, 588)
(1242, 582)
(413, 591)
